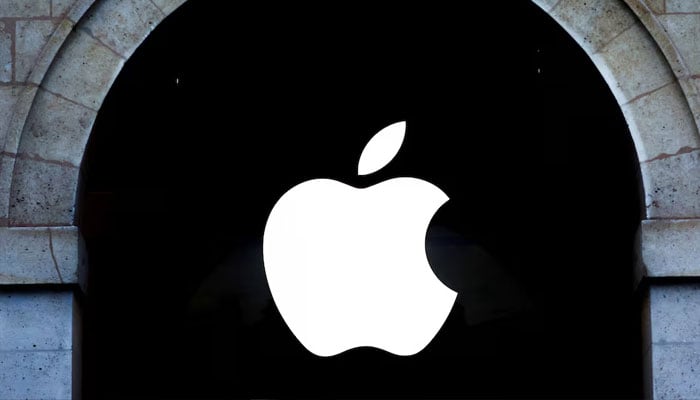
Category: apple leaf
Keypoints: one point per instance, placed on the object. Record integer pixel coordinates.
(382, 148)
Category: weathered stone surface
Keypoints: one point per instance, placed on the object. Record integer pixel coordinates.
(169, 6)
(632, 64)
(25, 8)
(661, 123)
(648, 12)
(68, 252)
(6, 165)
(675, 313)
(15, 124)
(676, 371)
(670, 247)
(684, 31)
(35, 375)
(593, 23)
(682, 6)
(30, 38)
(122, 25)
(36, 321)
(49, 50)
(59, 136)
(83, 70)
(5, 51)
(43, 194)
(691, 90)
(36, 341)
(672, 186)
(655, 6)
(26, 257)
(39, 255)
(60, 7)
(77, 9)
(8, 96)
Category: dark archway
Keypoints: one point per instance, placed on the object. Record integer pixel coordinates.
(521, 132)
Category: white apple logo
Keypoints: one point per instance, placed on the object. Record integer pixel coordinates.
(347, 266)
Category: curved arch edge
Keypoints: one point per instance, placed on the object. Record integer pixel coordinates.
(650, 96)
(54, 113)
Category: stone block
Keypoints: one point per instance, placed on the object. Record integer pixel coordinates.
(35, 375)
(39, 255)
(672, 186)
(25, 8)
(48, 52)
(676, 371)
(647, 12)
(691, 90)
(6, 165)
(8, 96)
(25, 257)
(682, 6)
(122, 25)
(58, 136)
(593, 23)
(30, 38)
(43, 193)
(168, 6)
(6, 60)
(83, 70)
(661, 123)
(684, 31)
(18, 115)
(37, 330)
(670, 247)
(632, 64)
(68, 252)
(36, 321)
(675, 313)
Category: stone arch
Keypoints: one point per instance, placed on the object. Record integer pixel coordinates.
(54, 117)
(650, 96)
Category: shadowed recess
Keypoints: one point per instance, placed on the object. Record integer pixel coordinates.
(225, 107)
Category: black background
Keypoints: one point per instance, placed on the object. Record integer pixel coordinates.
(225, 107)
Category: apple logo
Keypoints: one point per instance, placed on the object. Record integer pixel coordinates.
(347, 266)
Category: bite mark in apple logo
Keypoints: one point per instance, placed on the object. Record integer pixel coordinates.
(347, 266)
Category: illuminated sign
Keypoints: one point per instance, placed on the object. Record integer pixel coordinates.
(347, 266)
